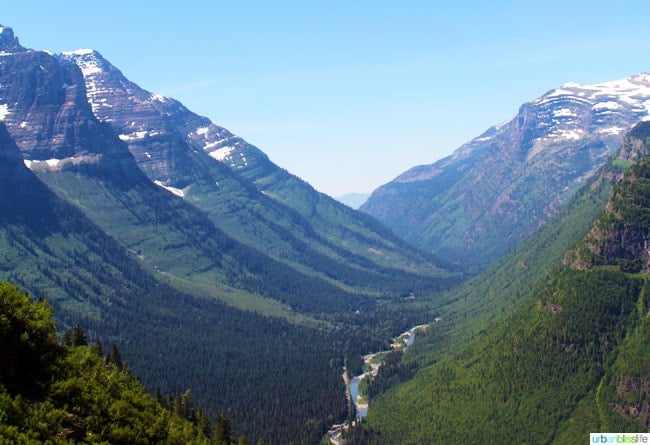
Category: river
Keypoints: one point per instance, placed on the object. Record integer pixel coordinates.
(403, 341)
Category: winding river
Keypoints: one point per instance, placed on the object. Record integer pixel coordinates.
(403, 341)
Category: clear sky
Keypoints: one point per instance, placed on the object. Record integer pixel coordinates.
(349, 94)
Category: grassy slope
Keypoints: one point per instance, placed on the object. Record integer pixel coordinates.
(179, 242)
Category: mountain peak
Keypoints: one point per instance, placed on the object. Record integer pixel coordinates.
(485, 196)
(9, 42)
(641, 78)
(80, 52)
(89, 60)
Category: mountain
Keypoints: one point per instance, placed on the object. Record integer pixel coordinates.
(353, 200)
(58, 132)
(241, 190)
(174, 341)
(108, 241)
(500, 187)
(569, 360)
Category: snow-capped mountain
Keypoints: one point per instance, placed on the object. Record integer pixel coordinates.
(143, 118)
(502, 185)
(44, 107)
(245, 194)
(76, 109)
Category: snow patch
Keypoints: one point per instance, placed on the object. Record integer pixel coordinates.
(564, 112)
(173, 190)
(560, 92)
(222, 153)
(569, 134)
(211, 145)
(51, 163)
(646, 105)
(483, 139)
(159, 97)
(85, 60)
(611, 130)
(78, 52)
(133, 136)
(607, 105)
(4, 112)
(202, 131)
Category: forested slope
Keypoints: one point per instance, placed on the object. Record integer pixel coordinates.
(572, 359)
(67, 393)
(173, 340)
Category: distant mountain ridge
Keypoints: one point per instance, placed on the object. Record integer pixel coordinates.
(354, 200)
(492, 192)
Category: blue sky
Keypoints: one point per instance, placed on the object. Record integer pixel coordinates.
(347, 95)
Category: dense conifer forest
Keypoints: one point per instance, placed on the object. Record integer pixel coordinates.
(68, 392)
(570, 359)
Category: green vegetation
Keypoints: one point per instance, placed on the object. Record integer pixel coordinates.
(244, 363)
(571, 357)
(467, 311)
(525, 377)
(346, 231)
(53, 393)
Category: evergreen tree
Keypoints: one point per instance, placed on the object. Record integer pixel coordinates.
(98, 348)
(203, 423)
(114, 356)
(78, 336)
(223, 430)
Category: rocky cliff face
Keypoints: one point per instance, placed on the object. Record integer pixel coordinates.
(8, 42)
(629, 403)
(156, 129)
(498, 188)
(621, 236)
(44, 107)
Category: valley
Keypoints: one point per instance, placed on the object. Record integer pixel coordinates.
(237, 293)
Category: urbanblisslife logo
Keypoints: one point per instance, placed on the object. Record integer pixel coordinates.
(613, 438)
